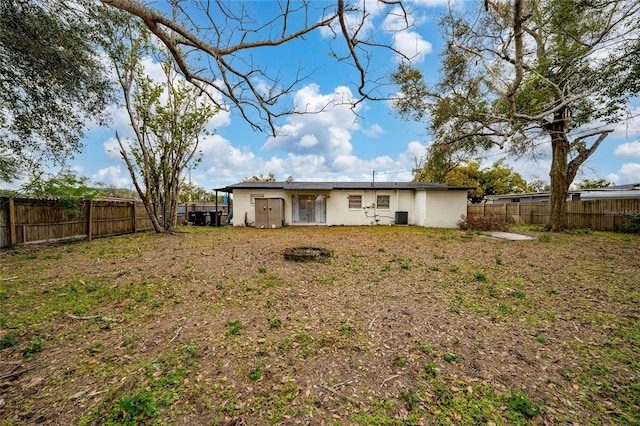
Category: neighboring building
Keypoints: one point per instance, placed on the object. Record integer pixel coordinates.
(527, 197)
(275, 204)
(619, 191)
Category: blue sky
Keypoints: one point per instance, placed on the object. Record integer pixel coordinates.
(338, 144)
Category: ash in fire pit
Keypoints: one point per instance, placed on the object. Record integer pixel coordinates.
(306, 253)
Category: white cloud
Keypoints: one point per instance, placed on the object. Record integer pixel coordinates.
(629, 149)
(416, 149)
(412, 45)
(304, 167)
(308, 141)
(397, 20)
(225, 164)
(630, 126)
(218, 154)
(628, 173)
(121, 121)
(112, 176)
(627, 129)
(325, 131)
(373, 7)
(221, 119)
(77, 169)
(374, 131)
(277, 166)
(345, 162)
(153, 69)
(112, 149)
(405, 39)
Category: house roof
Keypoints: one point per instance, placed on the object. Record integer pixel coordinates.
(629, 186)
(629, 191)
(541, 194)
(329, 186)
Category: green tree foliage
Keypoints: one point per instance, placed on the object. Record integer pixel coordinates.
(191, 193)
(517, 74)
(438, 161)
(112, 191)
(52, 83)
(167, 118)
(538, 185)
(260, 178)
(495, 180)
(593, 184)
(66, 187)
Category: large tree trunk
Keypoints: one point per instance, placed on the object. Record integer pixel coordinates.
(558, 175)
(146, 195)
(172, 218)
(171, 203)
(157, 226)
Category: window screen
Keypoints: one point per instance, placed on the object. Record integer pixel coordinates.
(382, 201)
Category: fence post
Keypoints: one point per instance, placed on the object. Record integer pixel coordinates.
(13, 238)
(531, 216)
(89, 219)
(133, 215)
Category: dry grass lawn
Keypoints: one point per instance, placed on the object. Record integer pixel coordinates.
(401, 325)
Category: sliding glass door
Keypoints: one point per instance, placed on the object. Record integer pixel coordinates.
(309, 208)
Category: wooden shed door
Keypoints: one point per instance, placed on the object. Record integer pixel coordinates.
(269, 212)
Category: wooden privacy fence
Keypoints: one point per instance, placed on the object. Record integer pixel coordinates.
(25, 220)
(597, 215)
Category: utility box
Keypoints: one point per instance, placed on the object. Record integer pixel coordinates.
(402, 218)
(269, 212)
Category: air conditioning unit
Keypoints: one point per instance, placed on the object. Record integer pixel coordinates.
(402, 218)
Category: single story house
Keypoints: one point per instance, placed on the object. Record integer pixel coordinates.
(276, 204)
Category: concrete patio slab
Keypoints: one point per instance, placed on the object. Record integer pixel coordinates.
(510, 236)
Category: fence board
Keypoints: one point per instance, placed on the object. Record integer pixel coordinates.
(597, 215)
(24, 220)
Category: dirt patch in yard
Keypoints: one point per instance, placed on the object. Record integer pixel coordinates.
(400, 325)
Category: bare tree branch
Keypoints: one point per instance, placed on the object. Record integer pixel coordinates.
(583, 153)
(226, 35)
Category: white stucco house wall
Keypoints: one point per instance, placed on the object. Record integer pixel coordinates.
(275, 204)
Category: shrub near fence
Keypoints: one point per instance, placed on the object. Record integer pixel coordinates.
(598, 215)
(25, 220)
